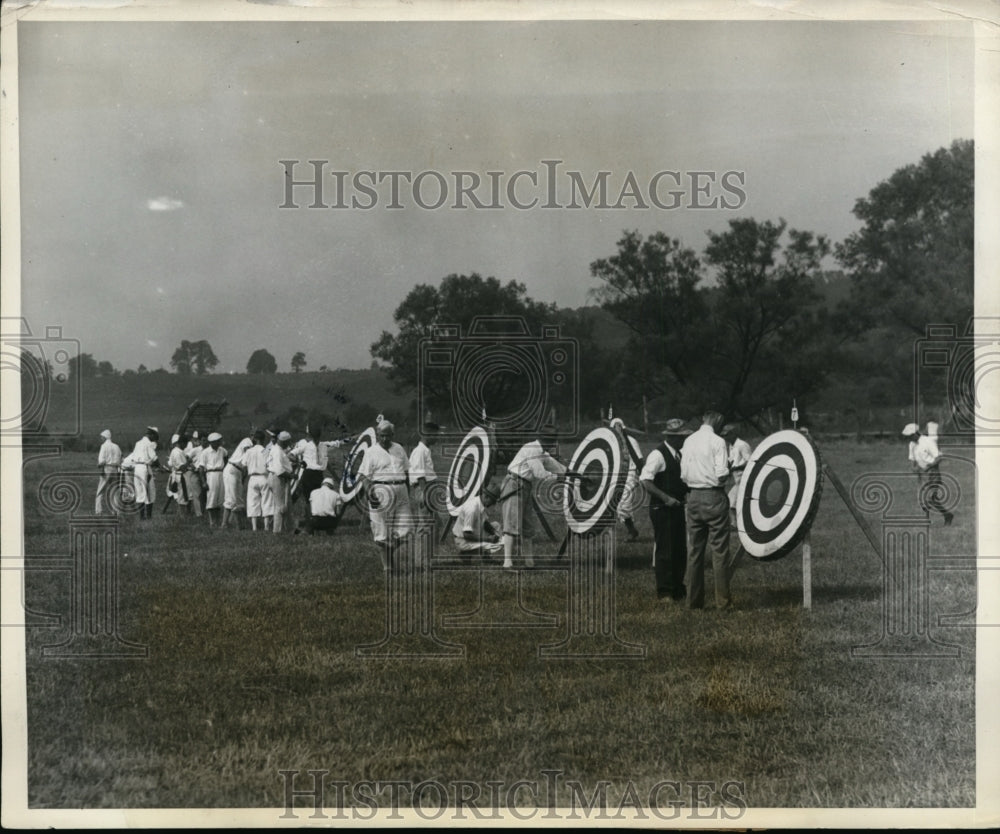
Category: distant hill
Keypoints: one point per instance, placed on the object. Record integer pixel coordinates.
(126, 404)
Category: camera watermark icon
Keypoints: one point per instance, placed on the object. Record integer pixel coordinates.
(42, 367)
(961, 372)
(500, 369)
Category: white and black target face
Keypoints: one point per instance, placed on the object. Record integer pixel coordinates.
(602, 459)
(778, 495)
(349, 485)
(471, 468)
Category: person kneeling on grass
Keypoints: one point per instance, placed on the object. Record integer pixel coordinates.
(325, 509)
(474, 532)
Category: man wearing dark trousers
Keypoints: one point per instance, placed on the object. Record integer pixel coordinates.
(661, 476)
(705, 468)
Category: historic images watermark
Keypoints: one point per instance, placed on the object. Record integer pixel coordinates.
(549, 796)
(316, 184)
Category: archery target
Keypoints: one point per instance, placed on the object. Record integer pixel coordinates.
(349, 485)
(471, 468)
(603, 459)
(778, 495)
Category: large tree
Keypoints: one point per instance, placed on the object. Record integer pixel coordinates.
(490, 364)
(754, 337)
(261, 362)
(912, 260)
(82, 366)
(298, 361)
(194, 358)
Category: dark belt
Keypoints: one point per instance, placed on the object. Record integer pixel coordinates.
(213, 470)
(389, 483)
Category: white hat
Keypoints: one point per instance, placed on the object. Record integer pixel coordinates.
(153, 429)
(330, 483)
(106, 434)
(174, 438)
(284, 435)
(932, 428)
(214, 436)
(385, 425)
(194, 435)
(910, 428)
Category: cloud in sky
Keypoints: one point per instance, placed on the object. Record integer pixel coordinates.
(164, 204)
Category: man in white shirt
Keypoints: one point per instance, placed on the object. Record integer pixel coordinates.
(532, 464)
(279, 478)
(925, 457)
(258, 493)
(384, 471)
(422, 475)
(325, 508)
(212, 462)
(177, 463)
(144, 460)
(474, 532)
(704, 468)
(109, 461)
(234, 481)
(312, 454)
(192, 477)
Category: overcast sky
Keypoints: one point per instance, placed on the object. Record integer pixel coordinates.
(151, 175)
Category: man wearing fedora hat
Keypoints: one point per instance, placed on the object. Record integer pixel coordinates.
(661, 476)
(925, 458)
(704, 468)
(532, 464)
(143, 460)
(109, 461)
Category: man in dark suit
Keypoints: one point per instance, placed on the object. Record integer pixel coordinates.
(661, 476)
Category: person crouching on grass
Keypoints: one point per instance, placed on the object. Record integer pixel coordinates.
(474, 533)
(325, 509)
(926, 458)
(384, 474)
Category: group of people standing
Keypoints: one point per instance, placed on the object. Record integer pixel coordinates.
(254, 481)
(692, 480)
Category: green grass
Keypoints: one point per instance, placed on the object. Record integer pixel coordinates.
(252, 670)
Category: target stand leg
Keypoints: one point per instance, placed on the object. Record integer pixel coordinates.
(592, 617)
(409, 604)
(905, 599)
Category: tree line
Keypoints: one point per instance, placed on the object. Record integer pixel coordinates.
(744, 325)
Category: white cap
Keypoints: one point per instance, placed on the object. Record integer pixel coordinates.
(152, 428)
(284, 435)
(330, 483)
(214, 436)
(106, 434)
(910, 428)
(932, 428)
(174, 438)
(194, 435)
(385, 425)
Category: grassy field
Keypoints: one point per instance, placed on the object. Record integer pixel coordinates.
(252, 669)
